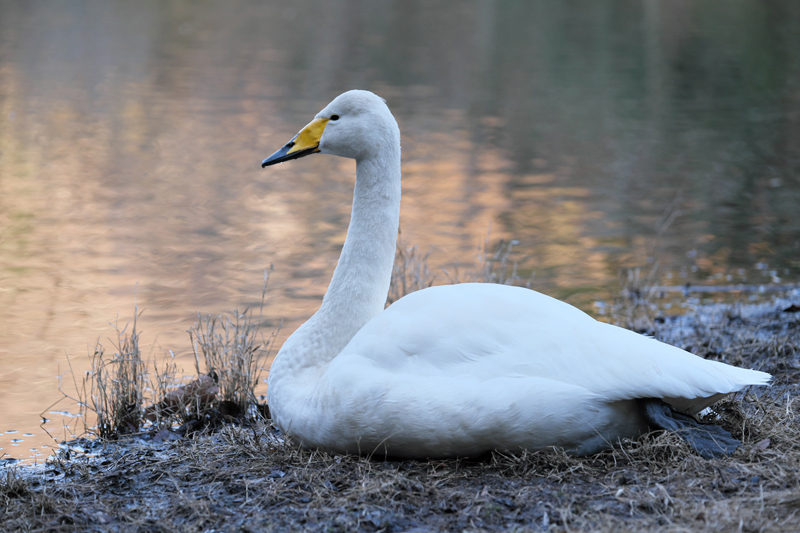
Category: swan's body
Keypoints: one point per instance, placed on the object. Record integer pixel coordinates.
(462, 369)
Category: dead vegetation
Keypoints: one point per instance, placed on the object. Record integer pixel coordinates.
(494, 264)
(247, 478)
(244, 476)
(123, 394)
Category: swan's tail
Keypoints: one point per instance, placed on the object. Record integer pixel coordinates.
(726, 380)
(746, 377)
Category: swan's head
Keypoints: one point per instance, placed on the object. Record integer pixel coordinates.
(357, 125)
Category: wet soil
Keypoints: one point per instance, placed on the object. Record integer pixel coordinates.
(248, 478)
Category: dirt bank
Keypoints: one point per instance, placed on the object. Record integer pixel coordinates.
(250, 479)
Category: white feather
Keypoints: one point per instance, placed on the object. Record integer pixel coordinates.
(461, 369)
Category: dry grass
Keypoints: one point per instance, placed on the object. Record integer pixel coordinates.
(410, 272)
(233, 353)
(119, 384)
(119, 396)
(634, 308)
(246, 477)
(494, 264)
(112, 393)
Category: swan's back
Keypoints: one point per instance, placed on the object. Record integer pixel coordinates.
(497, 330)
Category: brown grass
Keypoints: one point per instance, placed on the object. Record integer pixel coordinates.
(119, 396)
(410, 272)
(112, 393)
(493, 264)
(247, 477)
(234, 353)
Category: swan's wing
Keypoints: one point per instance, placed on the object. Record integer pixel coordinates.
(489, 331)
(425, 416)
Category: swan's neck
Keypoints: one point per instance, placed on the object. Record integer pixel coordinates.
(360, 283)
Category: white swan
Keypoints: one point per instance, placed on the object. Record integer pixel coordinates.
(457, 370)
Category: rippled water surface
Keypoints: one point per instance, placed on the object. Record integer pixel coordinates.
(600, 135)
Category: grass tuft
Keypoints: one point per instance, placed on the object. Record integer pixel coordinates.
(233, 353)
(118, 387)
(410, 272)
(123, 398)
(494, 264)
(112, 393)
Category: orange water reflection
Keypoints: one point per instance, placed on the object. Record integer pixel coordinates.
(131, 136)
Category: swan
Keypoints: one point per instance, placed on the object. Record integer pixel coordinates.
(461, 370)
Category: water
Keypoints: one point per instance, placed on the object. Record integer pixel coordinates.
(600, 135)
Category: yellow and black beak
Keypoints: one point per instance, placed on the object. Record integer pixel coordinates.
(304, 143)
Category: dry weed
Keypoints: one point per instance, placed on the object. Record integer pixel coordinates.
(118, 396)
(233, 353)
(494, 264)
(112, 393)
(409, 272)
(249, 478)
(634, 308)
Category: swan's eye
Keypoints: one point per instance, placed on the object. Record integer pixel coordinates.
(334, 117)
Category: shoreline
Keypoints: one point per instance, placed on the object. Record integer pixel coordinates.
(248, 478)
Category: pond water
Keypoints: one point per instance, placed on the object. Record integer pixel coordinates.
(599, 135)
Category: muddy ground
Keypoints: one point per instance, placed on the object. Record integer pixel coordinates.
(247, 478)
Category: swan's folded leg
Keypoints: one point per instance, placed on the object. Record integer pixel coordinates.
(708, 440)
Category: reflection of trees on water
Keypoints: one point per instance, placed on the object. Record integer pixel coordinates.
(637, 101)
(131, 132)
(634, 102)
